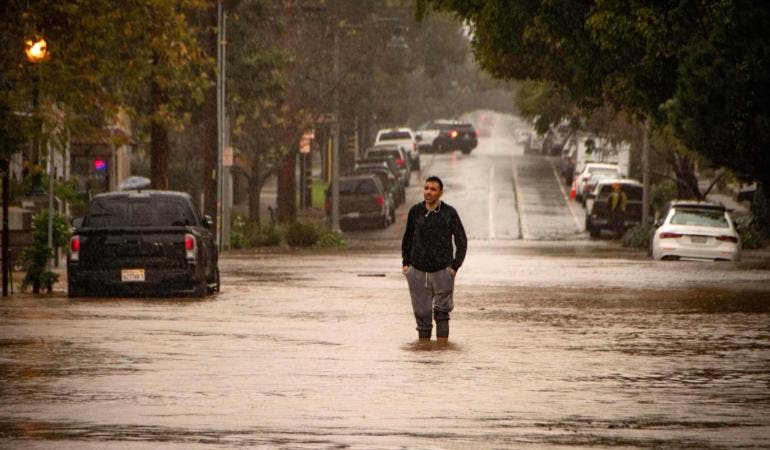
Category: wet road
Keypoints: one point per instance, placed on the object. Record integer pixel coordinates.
(314, 350)
(557, 341)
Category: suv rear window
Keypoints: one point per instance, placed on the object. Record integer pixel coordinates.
(110, 212)
(357, 186)
(374, 153)
(632, 192)
(394, 135)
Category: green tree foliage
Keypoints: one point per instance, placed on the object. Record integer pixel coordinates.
(102, 56)
(700, 65)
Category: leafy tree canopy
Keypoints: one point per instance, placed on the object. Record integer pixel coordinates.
(699, 65)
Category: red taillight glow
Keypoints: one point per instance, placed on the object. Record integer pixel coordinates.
(727, 239)
(380, 200)
(669, 235)
(400, 162)
(189, 246)
(75, 243)
(75, 248)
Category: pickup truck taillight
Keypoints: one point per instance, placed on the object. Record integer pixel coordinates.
(189, 247)
(75, 248)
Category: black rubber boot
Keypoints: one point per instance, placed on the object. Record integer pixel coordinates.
(442, 328)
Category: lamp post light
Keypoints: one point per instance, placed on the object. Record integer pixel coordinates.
(37, 52)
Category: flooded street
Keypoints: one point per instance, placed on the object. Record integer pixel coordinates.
(314, 350)
(557, 341)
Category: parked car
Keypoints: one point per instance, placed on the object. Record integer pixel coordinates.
(440, 136)
(598, 211)
(591, 168)
(428, 133)
(696, 231)
(363, 200)
(142, 242)
(405, 138)
(534, 143)
(390, 163)
(397, 153)
(593, 180)
(388, 180)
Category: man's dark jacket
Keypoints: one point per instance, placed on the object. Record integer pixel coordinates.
(427, 242)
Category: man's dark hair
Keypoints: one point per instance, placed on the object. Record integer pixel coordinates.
(436, 179)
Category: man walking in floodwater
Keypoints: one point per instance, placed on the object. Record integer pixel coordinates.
(430, 263)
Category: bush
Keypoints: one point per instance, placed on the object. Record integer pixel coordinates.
(329, 239)
(35, 258)
(302, 234)
(638, 236)
(751, 239)
(267, 236)
(237, 232)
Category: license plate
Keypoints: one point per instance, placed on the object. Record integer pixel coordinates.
(698, 239)
(352, 215)
(132, 275)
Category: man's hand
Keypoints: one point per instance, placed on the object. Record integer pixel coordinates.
(452, 271)
(405, 269)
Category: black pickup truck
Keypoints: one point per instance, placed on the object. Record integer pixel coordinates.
(142, 243)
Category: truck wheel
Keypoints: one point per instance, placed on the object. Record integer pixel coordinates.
(594, 232)
(466, 151)
(214, 287)
(200, 288)
(75, 290)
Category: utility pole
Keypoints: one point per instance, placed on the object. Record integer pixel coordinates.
(646, 171)
(5, 167)
(336, 135)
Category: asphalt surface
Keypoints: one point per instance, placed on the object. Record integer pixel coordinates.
(556, 341)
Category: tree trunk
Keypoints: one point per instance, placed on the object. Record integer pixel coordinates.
(255, 191)
(158, 137)
(210, 143)
(286, 198)
(686, 181)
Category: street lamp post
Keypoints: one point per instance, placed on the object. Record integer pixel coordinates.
(37, 52)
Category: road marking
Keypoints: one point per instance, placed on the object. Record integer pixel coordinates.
(564, 194)
(491, 202)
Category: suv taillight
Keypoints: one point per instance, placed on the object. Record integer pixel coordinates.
(380, 200)
(400, 162)
(189, 247)
(75, 248)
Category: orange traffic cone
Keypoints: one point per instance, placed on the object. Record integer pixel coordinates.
(573, 191)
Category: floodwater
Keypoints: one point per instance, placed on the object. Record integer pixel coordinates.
(552, 345)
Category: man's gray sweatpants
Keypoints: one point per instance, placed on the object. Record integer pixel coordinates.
(430, 291)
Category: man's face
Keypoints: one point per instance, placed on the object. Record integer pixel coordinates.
(431, 192)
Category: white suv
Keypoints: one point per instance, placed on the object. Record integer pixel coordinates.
(404, 138)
